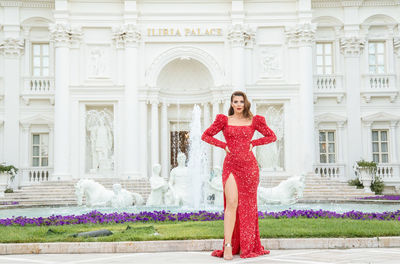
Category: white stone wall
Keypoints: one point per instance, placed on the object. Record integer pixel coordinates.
(117, 53)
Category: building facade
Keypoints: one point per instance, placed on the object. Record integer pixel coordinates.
(105, 88)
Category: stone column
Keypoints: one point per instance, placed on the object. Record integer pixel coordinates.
(12, 48)
(164, 140)
(131, 37)
(340, 141)
(207, 123)
(249, 41)
(236, 36)
(25, 156)
(302, 36)
(368, 152)
(216, 150)
(28, 49)
(143, 138)
(352, 48)
(393, 141)
(154, 133)
(61, 35)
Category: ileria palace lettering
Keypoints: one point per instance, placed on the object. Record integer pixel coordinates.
(184, 32)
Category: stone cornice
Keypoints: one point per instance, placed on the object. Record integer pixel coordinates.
(12, 47)
(64, 34)
(352, 46)
(301, 34)
(126, 35)
(28, 3)
(353, 3)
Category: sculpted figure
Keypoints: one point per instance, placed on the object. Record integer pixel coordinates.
(158, 187)
(179, 182)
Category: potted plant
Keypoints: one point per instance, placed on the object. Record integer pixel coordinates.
(7, 176)
(366, 171)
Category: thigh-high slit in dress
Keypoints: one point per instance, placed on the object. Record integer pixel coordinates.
(242, 163)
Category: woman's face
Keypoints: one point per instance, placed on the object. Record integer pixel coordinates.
(238, 104)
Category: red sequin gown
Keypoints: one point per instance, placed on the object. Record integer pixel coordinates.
(242, 163)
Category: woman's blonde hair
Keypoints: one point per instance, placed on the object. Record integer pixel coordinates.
(246, 111)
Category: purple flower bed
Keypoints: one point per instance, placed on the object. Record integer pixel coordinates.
(9, 203)
(385, 197)
(97, 217)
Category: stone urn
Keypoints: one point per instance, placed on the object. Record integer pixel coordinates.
(4, 180)
(366, 177)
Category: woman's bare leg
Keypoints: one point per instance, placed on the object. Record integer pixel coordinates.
(231, 196)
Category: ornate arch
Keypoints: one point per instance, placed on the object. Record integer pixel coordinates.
(327, 21)
(184, 52)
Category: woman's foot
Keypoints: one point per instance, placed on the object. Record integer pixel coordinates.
(228, 252)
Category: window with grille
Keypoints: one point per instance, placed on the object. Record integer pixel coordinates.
(376, 57)
(380, 146)
(324, 58)
(40, 150)
(40, 59)
(327, 151)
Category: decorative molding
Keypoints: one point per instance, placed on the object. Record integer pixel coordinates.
(380, 116)
(11, 47)
(167, 56)
(353, 3)
(63, 34)
(329, 117)
(127, 35)
(241, 35)
(352, 46)
(37, 119)
(28, 3)
(301, 34)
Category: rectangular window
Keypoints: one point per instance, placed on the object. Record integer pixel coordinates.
(380, 146)
(40, 59)
(40, 150)
(324, 58)
(376, 57)
(327, 151)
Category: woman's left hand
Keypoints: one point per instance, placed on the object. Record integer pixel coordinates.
(251, 147)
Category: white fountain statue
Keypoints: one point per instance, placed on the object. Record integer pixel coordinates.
(179, 183)
(98, 196)
(197, 159)
(158, 187)
(214, 190)
(287, 192)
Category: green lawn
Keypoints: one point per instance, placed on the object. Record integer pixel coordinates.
(269, 228)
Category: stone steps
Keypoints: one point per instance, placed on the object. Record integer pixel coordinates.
(62, 193)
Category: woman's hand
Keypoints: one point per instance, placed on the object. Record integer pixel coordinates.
(227, 149)
(251, 147)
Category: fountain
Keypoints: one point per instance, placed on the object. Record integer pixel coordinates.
(189, 189)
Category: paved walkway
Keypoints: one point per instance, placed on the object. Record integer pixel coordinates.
(292, 256)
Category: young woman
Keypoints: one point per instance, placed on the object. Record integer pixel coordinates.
(240, 176)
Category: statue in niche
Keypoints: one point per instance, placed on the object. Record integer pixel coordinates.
(270, 156)
(179, 182)
(97, 62)
(158, 187)
(214, 188)
(269, 62)
(100, 137)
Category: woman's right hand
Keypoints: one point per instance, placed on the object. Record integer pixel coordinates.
(227, 149)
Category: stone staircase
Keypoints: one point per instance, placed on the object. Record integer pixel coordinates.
(321, 189)
(62, 193)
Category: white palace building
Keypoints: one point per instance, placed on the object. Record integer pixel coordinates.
(106, 88)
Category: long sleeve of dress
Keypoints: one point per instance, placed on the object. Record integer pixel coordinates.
(215, 127)
(262, 127)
